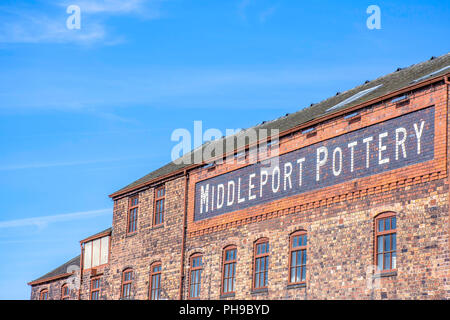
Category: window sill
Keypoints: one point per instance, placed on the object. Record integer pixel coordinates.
(158, 226)
(227, 295)
(260, 291)
(384, 274)
(131, 234)
(296, 285)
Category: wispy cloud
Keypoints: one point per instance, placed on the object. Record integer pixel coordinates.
(61, 164)
(46, 220)
(265, 14)
(46, 22)
(265, 10)
(242, 8)
(109, 6)
(33, 27)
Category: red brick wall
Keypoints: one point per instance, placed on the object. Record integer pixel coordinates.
(339, 221)
(340, 224)
(148, 245)
(54, 290)
(340, 249)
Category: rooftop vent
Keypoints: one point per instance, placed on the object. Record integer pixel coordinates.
(431, 74)
(355, 97)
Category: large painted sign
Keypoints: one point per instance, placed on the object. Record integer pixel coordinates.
(393, 144)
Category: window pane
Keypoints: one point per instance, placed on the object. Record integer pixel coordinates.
(394, 241)
(394, 260)
(387, 243)
(380, 244)
(380, 225)
(387, 261)
(88, 255)
(394, 223)
(380, 262)
(387, 224)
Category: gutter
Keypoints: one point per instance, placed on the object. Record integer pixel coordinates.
(294, 129)
(60, 276)
(97, 236)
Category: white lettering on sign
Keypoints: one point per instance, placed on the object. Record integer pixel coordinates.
(393, 144)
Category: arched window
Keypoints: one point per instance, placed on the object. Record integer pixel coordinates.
(155, 281)
(95, 288)
(386, 242)
(133, 214)
(297, 257)
(229, 269)
(65, 292)
(127, 281)
(261, 263)
(44, 294)
(195, 278)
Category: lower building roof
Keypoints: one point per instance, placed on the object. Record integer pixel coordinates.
(59, 272)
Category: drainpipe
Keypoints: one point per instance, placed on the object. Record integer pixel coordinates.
(186, 180)
(447, 84)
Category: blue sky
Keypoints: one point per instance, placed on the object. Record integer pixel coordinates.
(85, 112)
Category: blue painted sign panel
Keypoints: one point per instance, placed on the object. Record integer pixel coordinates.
(393, 144)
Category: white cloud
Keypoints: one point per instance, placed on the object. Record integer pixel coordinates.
(45, 220)
(109, 6)
(29, 27)
(47, 24)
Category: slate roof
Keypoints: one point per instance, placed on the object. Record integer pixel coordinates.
(62, 269)
(384, 85)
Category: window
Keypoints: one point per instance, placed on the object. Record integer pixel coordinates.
(133, 214)
(65, 292)
(95, 289)
(195, 276)
(127, 280)
(160, 194)
(261, 264)
(44, 295)
(155, 281)
(229, 269)
(386, 242)
(297, 257)
(96, 252)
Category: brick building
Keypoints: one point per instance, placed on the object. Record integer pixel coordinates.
(351, 201)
